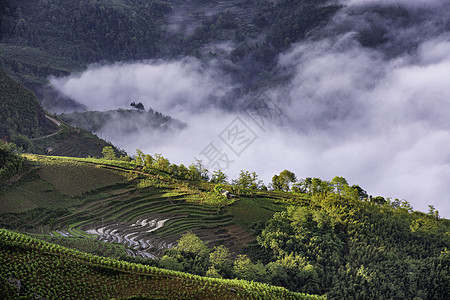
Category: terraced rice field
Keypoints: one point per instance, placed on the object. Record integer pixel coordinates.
(147, 221)
(110, 203)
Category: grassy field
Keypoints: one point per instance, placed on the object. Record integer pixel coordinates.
(250, 210)
(32, 192)
(55, 183)
(73, 178)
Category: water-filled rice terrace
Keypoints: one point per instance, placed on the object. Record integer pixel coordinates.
(147, 222)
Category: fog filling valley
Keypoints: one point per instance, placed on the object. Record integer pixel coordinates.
(378, 116)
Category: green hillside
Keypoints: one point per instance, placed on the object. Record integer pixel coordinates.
(21, 116)
(31, 268)
(70, 196)
(315, 237)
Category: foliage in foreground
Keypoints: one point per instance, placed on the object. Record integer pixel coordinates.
(344, 248)
(34, 268)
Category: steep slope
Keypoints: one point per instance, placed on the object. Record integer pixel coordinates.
(20, 113)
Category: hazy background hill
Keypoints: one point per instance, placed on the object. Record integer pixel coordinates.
(131, 121)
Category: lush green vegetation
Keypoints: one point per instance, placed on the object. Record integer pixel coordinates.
(89, 245)
(10, 163)
(340, 245)
(21, 116)
(31, 268)
(309, 235)
(349, 248)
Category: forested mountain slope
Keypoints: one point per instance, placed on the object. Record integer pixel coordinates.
(20, 112)
(56, 37)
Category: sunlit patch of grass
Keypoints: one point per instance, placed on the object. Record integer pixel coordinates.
(250, 210)
(74, 178)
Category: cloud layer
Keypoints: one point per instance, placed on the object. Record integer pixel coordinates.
(162, 85)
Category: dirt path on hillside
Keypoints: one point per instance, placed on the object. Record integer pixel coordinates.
(17, 177)
(52, 134)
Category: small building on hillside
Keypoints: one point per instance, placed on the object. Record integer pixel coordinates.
(227, 194)
(48, 150)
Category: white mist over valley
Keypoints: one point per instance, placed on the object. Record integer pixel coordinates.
(378, 116)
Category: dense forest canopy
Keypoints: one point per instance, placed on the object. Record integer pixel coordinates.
(55, 37)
